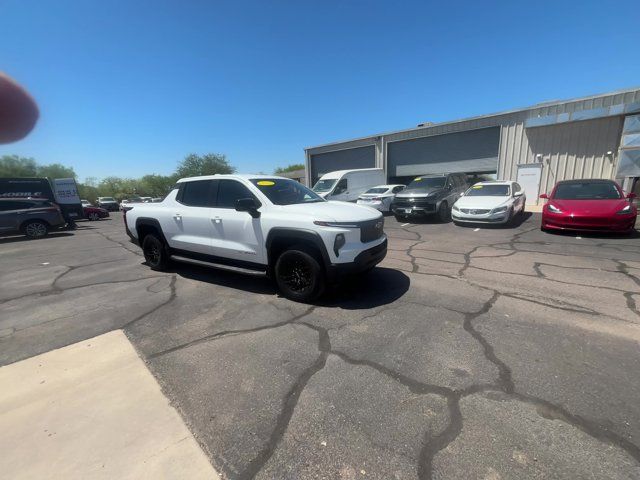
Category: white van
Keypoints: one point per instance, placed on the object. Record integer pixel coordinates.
(348, 185)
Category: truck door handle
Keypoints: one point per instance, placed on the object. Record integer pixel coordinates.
(216, 220)
(177, 216)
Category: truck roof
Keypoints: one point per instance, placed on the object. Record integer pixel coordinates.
(242, 176)
(340, 173)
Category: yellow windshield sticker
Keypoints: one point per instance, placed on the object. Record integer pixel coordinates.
(476, 187)
(266, 183)
(417, 179)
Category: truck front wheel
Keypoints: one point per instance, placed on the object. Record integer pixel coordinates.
(299, 275)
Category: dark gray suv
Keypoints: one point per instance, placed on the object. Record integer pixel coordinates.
(429, 195)
(32, 217)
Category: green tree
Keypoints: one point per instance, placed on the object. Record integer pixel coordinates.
(55, 170)
(157, 185)
(194, 165)
(88, 192)
(110, 186)
(91, 182)
(15, 166)
(290, 168)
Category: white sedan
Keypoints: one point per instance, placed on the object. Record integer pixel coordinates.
(380, 197)
(489, 202)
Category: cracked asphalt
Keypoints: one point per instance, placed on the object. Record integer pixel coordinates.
(501, 353)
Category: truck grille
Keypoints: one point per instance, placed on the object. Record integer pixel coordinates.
(371, 230)
(422, 203)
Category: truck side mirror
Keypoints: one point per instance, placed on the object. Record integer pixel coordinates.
(248, 205)
(544, 196)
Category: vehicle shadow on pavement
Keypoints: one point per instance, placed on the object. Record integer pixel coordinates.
(515, 223)
(22, 238)
(379, 287)
(223, 278)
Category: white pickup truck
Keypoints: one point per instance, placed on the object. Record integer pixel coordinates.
(259, 225)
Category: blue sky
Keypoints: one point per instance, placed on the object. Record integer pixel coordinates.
(130, 87)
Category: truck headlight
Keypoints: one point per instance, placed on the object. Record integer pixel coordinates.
(338, 243)
(500, 209)
(455, 207)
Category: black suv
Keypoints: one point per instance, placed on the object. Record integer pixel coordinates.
(429, 195)
(30, 216)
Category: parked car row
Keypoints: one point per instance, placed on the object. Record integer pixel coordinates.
(592, 204)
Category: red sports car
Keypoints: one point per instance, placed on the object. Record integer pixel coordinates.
(95, 213)
(596, 205)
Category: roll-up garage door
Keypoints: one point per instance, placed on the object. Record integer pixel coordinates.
(467, 152)
(361, 157)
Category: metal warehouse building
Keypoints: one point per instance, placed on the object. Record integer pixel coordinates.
(591, 137)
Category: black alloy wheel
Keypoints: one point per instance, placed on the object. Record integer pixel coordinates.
(299, 276)
(154, 252)
(35, 229)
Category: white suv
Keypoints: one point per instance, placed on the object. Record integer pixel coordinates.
(259, 225)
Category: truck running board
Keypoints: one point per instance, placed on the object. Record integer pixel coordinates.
(231, 268)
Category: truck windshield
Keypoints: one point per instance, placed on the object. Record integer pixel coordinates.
(282, 191)
(324, 185)
(108, 199)
(427, 183)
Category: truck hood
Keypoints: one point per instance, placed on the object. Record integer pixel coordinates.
(482, 202)
(333, 211)
(419, 192)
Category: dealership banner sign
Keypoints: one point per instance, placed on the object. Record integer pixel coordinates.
(66, 191)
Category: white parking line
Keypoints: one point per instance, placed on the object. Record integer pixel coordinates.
(405, 224)
(476, 229)
(578, 238)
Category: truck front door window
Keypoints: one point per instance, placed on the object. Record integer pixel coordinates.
(341, 187)
(229, 192)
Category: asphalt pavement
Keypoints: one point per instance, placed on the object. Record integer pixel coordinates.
(489, 353)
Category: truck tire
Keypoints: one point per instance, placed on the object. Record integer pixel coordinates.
(400, 218)
(299, 275)
(155, 252)
(443, 212)
(35, 229)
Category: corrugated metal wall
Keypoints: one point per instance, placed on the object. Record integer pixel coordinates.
(571, 150)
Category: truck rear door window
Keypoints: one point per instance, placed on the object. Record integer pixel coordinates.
(198, 193)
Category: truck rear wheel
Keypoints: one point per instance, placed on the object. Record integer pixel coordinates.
(299, 276)
(155, 252)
